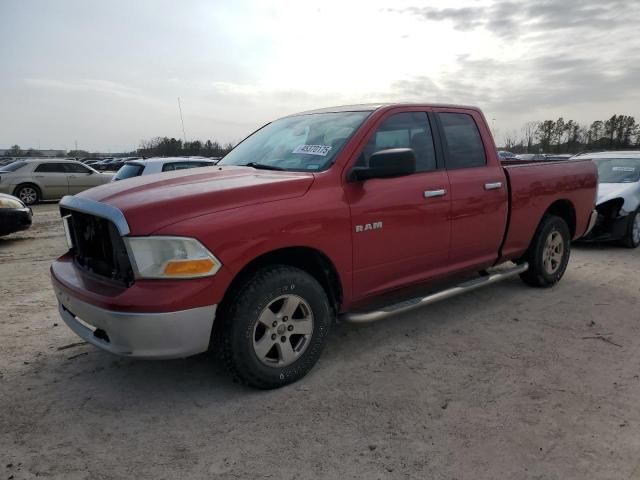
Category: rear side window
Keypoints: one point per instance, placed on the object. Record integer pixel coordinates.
(76, 168)
(404, 130)
(462, 141)
(51, 168)
(129, 170)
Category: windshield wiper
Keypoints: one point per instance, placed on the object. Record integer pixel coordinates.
(263, 166)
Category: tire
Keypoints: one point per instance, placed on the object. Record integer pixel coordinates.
(28, 194)
(632, 236)
(275, 327)
(548, 254)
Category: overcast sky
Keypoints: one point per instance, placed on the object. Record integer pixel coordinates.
(108, 73)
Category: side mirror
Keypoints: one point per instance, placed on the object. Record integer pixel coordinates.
(394, 162)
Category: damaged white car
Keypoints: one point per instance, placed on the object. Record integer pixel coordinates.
(618, 201)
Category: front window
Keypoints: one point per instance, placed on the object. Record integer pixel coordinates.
(301, 143)
(618, 170)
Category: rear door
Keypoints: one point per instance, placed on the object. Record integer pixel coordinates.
(81, 178)
(478, 189)
(52, 179)
(400, 226)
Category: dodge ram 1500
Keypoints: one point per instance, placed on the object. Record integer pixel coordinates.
(355, 213)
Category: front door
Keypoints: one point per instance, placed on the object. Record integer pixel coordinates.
(81, 178)
(400, 226)
(52, 179)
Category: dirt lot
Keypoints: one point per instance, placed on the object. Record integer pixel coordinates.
(505, 382)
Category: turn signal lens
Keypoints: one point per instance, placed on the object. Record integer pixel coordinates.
(179, 268)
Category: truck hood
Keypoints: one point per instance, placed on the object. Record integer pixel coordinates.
(152, 202)
(626, 191)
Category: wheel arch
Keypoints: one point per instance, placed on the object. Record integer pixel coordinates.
(564, 209)
(28, 184)
(311, 260)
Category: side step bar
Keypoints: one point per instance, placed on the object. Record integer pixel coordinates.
(406, 306)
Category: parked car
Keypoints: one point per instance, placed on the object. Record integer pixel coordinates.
(33, 180)
(531, 157)
(558, 156)
(618, 202)
(504, 155)
(6, 161)
(135, 168)
(102, 164)
(327, 213)
(14, 215)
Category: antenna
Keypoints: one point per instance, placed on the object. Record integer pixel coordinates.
(184, 135)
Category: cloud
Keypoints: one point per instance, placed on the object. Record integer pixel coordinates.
(509, 19)
(572, 56)
(95, 86)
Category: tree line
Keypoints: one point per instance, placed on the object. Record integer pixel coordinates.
(171, 147)
(568, 136)
(156, 147)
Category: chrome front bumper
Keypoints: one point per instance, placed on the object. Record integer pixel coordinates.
(139, 335)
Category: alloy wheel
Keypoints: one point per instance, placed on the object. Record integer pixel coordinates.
(553, 252)
(283, 331)
(28, 195)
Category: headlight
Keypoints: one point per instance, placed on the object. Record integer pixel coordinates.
(10, 203)
(170, 257)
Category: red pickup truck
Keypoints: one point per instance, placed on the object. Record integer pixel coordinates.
(355, 212)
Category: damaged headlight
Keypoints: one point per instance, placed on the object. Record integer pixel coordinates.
(610, 209)
(170, 257)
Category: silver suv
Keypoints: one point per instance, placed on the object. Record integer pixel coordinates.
(32, 180)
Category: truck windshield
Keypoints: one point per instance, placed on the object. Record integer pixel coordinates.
(618, 170)
(300, 143)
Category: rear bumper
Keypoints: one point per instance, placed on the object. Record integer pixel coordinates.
(157, 335)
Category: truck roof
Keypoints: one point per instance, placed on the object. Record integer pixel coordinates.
(370, 107)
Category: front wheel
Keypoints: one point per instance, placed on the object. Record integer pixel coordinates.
(632, 236)
(548, 254)
(276, 327)
(28, 194)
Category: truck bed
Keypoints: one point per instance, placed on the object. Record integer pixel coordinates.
(534, 186)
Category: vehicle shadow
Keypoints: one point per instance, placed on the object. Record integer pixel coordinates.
(89, 378)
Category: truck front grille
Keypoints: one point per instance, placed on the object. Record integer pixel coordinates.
(98, 248)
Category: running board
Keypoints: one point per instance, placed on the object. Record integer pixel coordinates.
(414, 303)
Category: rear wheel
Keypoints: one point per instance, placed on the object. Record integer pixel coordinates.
(548, 254)
(632, 237)
(28, 194)
(276, 327)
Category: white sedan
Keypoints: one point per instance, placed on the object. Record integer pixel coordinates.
(618, 202)
(135, 168)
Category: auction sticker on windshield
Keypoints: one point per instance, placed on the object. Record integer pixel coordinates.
(321, 150)
(623, 169)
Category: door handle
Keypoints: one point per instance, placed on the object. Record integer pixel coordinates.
(493, 185)
(71, 176)
(38, 176)
(435, 193)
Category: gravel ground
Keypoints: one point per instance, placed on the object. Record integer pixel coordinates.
(508, 382)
